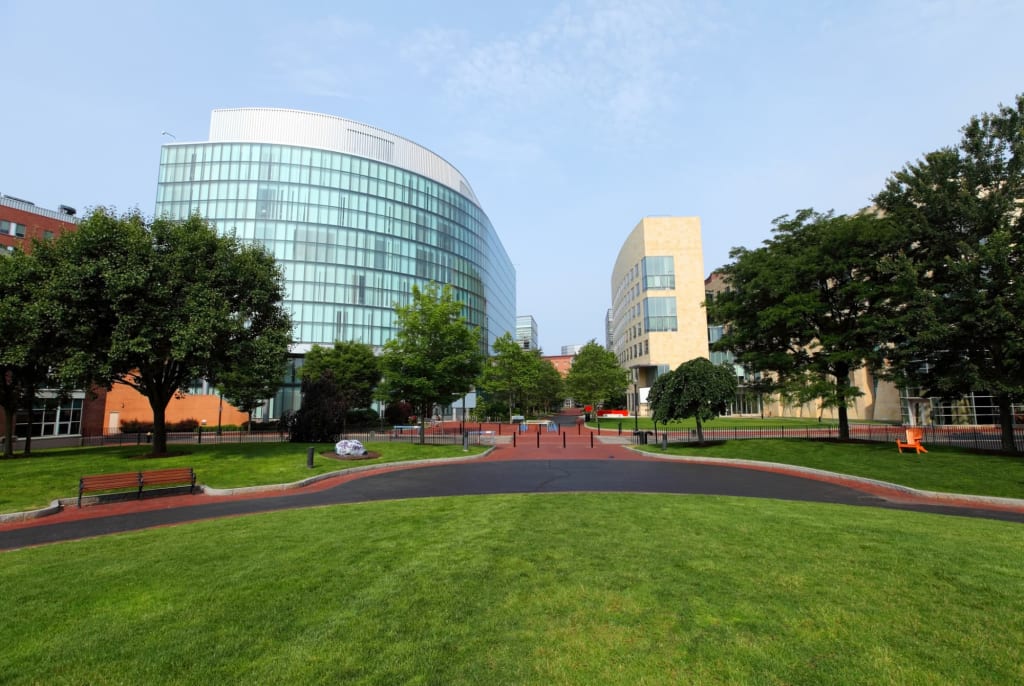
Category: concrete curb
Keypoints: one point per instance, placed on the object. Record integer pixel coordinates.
(266, 488)
(53, 508)
(1014, 504)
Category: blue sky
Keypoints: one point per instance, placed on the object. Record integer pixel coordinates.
(572, 120)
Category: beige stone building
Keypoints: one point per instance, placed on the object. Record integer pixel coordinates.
(657, 319)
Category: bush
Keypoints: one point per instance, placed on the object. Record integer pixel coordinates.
(361, 419)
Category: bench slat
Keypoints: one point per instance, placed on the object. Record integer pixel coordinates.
(107, 482)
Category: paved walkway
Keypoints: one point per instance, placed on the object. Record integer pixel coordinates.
(560, 463)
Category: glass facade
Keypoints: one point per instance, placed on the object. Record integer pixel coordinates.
(352, 234)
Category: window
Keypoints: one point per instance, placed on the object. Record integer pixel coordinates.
(659, 272)
(660, 314)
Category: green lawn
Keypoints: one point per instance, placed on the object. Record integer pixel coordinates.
(33, 482)
(612, 423)
(527, 589)
(949, 470)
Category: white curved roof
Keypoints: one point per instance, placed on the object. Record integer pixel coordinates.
(327, 132)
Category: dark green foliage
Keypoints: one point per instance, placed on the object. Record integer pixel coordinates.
(960, 208)
(515, 380)
(320, 417)
(157, 305)
(397, 414)
(350, 372)
(813, 305)
(435, 357)
(695, 389)
(595, 376)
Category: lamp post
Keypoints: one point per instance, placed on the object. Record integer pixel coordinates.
(636, 406)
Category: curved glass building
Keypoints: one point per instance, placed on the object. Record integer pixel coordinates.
(354, 215)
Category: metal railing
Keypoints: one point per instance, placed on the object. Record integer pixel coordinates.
(975, 437)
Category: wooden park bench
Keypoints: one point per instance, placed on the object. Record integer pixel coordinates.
(137, 480)
(912, 442)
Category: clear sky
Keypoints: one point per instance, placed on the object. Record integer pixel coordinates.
(572, 120)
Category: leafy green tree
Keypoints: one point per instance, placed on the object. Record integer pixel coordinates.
(511, 374)
(351, 370)
(24, 341)
(595, 376)
(549, 391)
(815, 302)
(435, 357)
(697, 389)
(961, 209)
(156, 305)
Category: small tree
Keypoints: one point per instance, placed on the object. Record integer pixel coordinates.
(509, 375)
(249, 386)
(595, 376)
(351, 369)
(695, 389)
(435, 357)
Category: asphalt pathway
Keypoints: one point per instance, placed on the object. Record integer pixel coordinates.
(516, 473)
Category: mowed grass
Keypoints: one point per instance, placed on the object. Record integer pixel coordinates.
(527, 589)
(33, 482)
(944, 469)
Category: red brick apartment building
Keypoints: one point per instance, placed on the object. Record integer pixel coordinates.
(21, 222)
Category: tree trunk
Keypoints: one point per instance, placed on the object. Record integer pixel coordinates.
(842, 398)
(1007, 440)
(700, 432)
(8, 433)
(30, 394)
(159, 427)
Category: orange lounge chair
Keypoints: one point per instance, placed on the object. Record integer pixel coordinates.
(913, 441)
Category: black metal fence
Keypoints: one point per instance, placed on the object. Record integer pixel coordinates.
(975, 437)
(402, 435)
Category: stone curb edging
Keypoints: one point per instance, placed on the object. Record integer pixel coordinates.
(1014, 504)
(266, 488)
(53, 508)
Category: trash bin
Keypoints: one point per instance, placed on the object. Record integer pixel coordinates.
(640, 437)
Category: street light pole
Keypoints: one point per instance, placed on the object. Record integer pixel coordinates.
(636, 406)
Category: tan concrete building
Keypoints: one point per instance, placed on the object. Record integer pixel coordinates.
(657, 318)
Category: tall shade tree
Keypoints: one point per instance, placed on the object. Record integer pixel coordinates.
(549, 391)
(435, 357)
(697, 389)
(25, 341)
(813, 304)
(962, 210)
(157, 305)
(595, 376)
(351, 369)
(510, 375)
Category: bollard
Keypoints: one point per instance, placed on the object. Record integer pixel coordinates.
(538, 439)
(579, 428)
(664, 441)
(309, 457)
(563, 439)
(465, 442)
(513, 440)
(620, 428)
(591, 439)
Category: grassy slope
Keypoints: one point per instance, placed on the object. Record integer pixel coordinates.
(540, 589)
(27, 483)
(948, 470)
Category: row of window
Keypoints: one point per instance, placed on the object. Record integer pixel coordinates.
(51, 417)
(8, 228)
